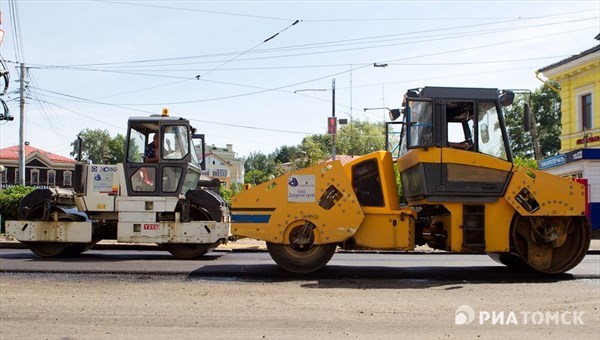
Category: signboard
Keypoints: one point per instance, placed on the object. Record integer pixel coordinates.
(588, 140)
(571, 156)
(103, 178)
(552, 161)
(301, 188)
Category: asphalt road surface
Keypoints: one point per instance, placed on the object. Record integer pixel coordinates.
(109, 294)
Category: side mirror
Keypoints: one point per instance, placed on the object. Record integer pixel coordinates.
(484, 131)
(527, 118)
(507, 98)
(203, 162)
(394, 114)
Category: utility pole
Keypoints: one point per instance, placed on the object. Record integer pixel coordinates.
(333, 115)
(331, 121)
(534, 139)
(22, 125)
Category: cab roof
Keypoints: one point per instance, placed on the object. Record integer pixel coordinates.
(462, 93)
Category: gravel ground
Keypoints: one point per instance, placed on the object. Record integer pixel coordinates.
(71, 306)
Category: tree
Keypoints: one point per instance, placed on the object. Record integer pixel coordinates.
(98, 147)
(235, 189)
(259, 168)
(286, 154)
(315, 148)
(356, 139)
(545, 104)
(360, 138)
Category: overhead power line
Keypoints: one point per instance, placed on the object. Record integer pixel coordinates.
(244, 52)
(403, 35)
(139, 4)
(353, 68)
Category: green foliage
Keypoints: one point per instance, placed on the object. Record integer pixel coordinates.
(316, 148)
(356, 139)
(99, 147)
(286, 154)
(360, 138)
(526, 162)
(545, 104)
(259, 168)
(228, 193)
(10, 198)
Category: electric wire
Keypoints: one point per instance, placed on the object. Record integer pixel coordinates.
(405, 35)
(54, 123)
(16, 30)
(193, 10)
(244, 52)
(358, 67)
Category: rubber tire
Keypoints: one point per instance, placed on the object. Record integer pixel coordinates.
(311, 260)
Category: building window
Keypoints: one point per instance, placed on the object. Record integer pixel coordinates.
(51, 177)
(67, 179)
(219, 173)
(35, 176)
(2, 177)
(587, 119)
(574, 175)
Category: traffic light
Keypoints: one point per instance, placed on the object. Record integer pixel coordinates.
(331, 125)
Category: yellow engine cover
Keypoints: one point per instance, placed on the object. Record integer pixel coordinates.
(321, 195)
(537, 193)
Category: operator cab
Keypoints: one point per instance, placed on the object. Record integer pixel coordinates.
(161, 158)
(458, 142)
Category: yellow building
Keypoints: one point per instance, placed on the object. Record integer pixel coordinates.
(579, 79)
(579, 157)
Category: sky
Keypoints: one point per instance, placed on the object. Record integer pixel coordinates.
(259, 74)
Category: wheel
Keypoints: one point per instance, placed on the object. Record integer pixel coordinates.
(508, 259)
(47, 249)
(187, 250)
(301, 255)
(52, 249)
(550, 244)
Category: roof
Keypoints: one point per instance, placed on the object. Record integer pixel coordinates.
(344, 159)
(218, 156)
(571, 58)
(12, 153)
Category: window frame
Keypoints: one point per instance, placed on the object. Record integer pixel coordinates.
(67, 179)
(580, 93)
(587, 116)
(48, 174)
(35, 172)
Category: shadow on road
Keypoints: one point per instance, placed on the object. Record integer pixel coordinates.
(353, 277)
(112, 257)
